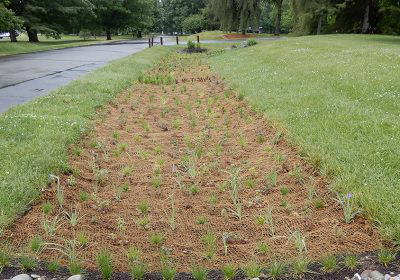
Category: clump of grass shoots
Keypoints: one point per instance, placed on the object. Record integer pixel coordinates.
(104, 264)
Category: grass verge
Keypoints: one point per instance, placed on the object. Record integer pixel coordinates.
(337, 98)
(34, 136)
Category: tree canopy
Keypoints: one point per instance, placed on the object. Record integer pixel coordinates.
(303, 17)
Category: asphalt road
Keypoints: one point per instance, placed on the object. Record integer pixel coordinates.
(27, 76)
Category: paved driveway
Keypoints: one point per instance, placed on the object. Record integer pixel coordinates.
(27, 76)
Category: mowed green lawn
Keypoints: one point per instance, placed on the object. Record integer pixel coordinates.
(337, 98)
(23, 46)
(34, 137)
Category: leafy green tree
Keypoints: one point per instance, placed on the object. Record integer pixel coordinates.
(8, 20)
(174, 12)
(111, 15)
(48, 17)
(194, 23)
(389, 17)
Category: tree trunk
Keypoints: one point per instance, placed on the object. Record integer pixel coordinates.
(365, 25)
(139, 34)
(278, 18)
(13, 36)
(32, 35)
(108, 34)
(319, 25)
(243, 31)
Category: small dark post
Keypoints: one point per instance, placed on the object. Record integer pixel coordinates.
(152, 41)
(177, 40)
(149, 43)
(161, 41)
(198, 39)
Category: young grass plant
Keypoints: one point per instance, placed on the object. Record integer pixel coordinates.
(47, 208)
(271, 180)
(386, 256)
(318, 203)
(262, 248)
(82, 239)
(53, 266)
(156, 239)
(74, 266)
(199, 273)
(5, 259)
(229, 271)
(252, 270)
(276, 270)
(138, 270)
(209, 241)
(201, 220)
(329, 263)
(133, 254)
(27, 263)
(104, 264)
(350, 261)
(168, 272)
(36, 244)
(300, 266)
(137, 267)
(143, 206)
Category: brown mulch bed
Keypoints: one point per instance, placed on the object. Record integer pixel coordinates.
(195, 132)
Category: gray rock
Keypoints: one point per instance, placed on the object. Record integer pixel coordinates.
(389, 277)
(356, 277)
(75, 277)
(22, 277)
(243, 45)
(35, 276)
(376, 275)
(366, 273)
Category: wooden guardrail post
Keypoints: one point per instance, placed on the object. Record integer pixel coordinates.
(177, 40)
(198, 39)
(149, 43)
(161, 41)
(152, 41)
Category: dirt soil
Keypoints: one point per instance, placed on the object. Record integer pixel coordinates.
(182, 140)
(233, 36)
